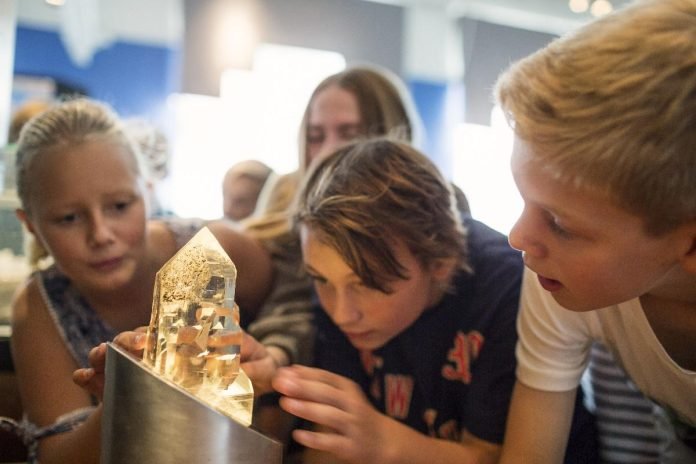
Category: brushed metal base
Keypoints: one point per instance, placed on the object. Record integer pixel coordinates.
(150, 419)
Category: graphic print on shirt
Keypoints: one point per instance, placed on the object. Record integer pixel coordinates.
(398, 392)
(370, 362)
(446, 431)
(465, 350)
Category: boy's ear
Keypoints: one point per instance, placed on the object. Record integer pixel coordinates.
(443, 268)
(689, 256)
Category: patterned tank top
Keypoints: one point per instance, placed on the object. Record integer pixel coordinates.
(78, 324)
(81, 329)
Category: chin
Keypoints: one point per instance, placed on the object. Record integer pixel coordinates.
(575, 305)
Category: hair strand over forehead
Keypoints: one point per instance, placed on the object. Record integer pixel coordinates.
(370, 195)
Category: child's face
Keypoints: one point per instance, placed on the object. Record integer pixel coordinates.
(334, 120)
(368, 317)
(239, 196)
(87, 209)
(587, 252)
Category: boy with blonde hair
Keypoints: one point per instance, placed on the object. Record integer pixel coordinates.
(605, 159)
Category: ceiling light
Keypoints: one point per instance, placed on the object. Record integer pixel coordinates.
(578, 6)
(601, 7)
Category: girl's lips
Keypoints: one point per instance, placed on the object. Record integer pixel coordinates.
(549, 285)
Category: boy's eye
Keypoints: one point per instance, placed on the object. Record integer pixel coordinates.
(557, 229)
(317, 279)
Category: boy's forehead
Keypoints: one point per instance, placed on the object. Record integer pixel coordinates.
(531, 159)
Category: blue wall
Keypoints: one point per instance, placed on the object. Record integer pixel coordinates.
(431, 99)
(134, 78)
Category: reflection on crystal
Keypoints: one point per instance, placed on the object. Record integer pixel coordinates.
(194, 330)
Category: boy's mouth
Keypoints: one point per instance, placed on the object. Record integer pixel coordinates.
(107, 264)
(550, 285)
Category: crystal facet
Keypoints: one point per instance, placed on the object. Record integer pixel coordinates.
(194, 334)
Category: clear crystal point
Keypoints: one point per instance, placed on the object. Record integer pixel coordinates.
(194, 337)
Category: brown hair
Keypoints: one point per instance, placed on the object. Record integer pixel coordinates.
(367, 195)
(385, 107)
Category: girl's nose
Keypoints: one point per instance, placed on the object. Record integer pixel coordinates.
(332, 142)
(100, 232)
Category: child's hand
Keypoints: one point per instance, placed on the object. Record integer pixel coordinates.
(260, 363)
(351, 428)
(92, 379)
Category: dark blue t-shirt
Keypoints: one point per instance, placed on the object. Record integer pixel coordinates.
(454, 367)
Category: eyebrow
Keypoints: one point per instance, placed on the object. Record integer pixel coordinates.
(351, 125)
(310, 269)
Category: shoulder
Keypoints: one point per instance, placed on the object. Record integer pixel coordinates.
(553, 341)
(167, 235)
(31, 319)
(486, 245)
(496, 267)
(27, 303)
(161, 243)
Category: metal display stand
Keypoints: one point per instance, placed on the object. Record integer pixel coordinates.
(149, 419)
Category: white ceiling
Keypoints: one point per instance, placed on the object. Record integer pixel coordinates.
(553, 16)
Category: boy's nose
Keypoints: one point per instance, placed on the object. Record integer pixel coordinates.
(345, 312)
(524, 238)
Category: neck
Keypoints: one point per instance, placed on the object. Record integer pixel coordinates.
(670, 311)
(677, 287)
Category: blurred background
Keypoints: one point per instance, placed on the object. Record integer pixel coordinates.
(227, 80)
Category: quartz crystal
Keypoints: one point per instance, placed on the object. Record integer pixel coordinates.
(194, 337)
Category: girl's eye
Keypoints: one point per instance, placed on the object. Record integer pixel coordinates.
(350, 133)
(314, 140)
(67, 219)
(121, 205)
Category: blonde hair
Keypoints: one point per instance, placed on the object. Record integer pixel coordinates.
(58, 128)
(367, 195)
(64, 125)
(612, 107)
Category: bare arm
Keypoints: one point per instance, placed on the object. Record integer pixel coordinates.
(538, 426)
(44, 366)
(352, 431)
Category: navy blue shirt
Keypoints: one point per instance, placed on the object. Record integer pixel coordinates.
(454, 367)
